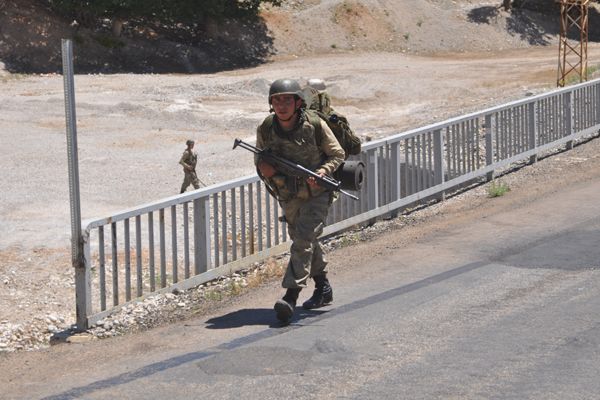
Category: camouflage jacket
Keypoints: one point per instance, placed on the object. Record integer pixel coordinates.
(300, 146)
(189, 158)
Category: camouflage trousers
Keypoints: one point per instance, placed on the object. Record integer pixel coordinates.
(190, 178)
(306, 220)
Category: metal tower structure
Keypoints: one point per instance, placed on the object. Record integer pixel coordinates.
(572, 54)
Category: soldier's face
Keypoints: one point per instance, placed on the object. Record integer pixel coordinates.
(285, 105)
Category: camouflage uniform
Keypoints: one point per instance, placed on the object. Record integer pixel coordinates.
(189, 159)
(305, 208)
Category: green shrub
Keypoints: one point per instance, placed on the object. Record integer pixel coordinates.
(109, 42)
(497, 189)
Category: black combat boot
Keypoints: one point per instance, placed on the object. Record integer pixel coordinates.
(322, 295)
(285, 306)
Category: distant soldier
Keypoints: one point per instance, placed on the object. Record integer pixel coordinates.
(188, 161)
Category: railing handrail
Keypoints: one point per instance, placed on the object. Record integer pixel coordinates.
(92, 223)
(454, 120)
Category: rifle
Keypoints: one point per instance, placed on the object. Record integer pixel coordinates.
(290, 168)
(199, 180)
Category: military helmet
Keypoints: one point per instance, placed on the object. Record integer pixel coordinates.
(316, 83)
(311, 97)
(285, 86)
(189, 142)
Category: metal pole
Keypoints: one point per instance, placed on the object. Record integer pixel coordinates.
(82, 279)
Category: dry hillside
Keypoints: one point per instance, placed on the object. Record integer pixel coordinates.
(30, 35)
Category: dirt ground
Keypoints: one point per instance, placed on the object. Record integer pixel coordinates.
(132, 128)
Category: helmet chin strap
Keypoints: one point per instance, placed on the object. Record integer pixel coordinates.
(286, 120)
(290, 118)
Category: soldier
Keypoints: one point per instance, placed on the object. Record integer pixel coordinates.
(290, 134)
(188, 161)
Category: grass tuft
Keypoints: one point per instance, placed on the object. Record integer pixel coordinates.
(498, 189)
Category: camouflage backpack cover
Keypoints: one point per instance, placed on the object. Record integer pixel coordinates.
(319, 107)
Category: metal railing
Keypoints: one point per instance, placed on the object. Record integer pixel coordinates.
(184, 240)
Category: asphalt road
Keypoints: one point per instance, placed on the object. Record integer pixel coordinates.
(504, 305)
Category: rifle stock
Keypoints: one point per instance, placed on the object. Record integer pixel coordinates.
(290, 168)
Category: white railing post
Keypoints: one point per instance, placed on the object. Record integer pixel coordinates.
(438, 160)
(568, 115)
(83, 287)
(533, 130)
(597, 103)
(489, 145)
(201, 235)
(395, 175)
(373, 179)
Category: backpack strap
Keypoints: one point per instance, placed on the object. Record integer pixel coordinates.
(314, 117)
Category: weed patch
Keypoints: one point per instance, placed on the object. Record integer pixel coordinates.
(498, 189)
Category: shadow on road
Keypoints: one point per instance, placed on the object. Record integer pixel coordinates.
(258, 316)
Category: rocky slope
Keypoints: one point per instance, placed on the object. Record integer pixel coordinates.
(30, 35)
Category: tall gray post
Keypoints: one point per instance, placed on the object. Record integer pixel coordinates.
(82, 276)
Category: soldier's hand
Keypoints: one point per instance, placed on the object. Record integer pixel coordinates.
(312, 182)
(266, 169)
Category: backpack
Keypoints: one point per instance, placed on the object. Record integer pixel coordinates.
(319, 107)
